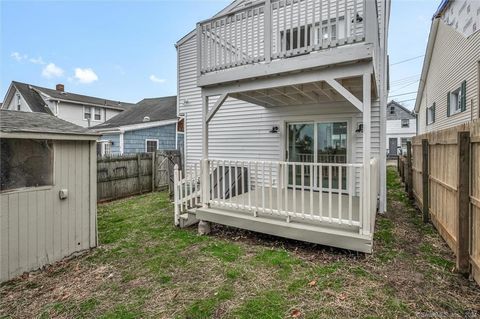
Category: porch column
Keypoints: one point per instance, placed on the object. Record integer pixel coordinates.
(367, 100)
(205, 187)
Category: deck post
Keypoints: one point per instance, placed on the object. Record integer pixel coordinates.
(205, 189)
(366, 228)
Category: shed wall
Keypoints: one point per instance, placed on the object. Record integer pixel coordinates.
(37, 228)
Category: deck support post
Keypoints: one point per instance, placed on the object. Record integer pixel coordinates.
(205, 189)
(366, 224)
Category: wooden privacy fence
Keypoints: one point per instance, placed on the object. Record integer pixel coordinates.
(120, 176)
(442, 175)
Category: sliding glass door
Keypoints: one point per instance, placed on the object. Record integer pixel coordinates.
(318, 142)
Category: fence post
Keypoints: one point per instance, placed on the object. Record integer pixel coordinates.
(463, 191)
(139, 163)
(408, 175)
(175, 195)
(425, 181)
(154, 154)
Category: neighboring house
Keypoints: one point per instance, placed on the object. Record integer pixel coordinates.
(401, 126)
(78, 109)
(448, 93)
(284, 105)
(48, 191)
(149, 126)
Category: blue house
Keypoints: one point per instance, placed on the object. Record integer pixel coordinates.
(149, 126)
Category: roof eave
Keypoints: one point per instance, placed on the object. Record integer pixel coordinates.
(426, 62)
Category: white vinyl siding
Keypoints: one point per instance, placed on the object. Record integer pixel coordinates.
(455, 59)
(240, 130)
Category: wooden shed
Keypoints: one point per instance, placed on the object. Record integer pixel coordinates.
(47, 191)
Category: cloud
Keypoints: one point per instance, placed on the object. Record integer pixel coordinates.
(38, 60)
(52, 71)
(155, 79)
(85, 75)
(18, 57)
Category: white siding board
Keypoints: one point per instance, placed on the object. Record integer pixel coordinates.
(455, 59)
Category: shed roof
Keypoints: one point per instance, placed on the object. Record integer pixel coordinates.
(29, 122)
(157, 109)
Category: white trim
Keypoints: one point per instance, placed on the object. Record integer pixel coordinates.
(151, 140)
(120, 142)
(90, 104)
(134, 127)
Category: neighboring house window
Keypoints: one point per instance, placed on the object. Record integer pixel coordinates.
(151, 145)
(19, 105)
(25, 163)
(456, 100)
(405, 123)
(403, 142)
(392, 110)
(104, 148)
(87, 113)
(98, 114)
(431, 114)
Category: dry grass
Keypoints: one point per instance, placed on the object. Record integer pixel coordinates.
(145, 267)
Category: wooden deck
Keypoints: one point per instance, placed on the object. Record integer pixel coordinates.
(321, 229)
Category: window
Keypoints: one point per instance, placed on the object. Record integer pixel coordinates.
(456, 100)
(151, 146)
(431, 114)
(87, 113)
(25, 163)
(104, 148)
(98, 114)
(405, 123)
(19, 105)
(392, 110)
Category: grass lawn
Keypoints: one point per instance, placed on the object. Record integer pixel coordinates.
(145, 267)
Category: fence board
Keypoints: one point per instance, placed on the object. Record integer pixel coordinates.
(126, 175)
(444, 184)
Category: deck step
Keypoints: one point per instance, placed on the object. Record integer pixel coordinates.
(318, 234)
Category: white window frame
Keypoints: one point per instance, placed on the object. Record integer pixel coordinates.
(430, 119)
(84, 113)
(405, 123)
(456, 101)
(95, 113)
(150, 140)
(105, 147)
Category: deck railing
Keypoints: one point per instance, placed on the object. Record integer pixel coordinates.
(274, 29)
(331, 193)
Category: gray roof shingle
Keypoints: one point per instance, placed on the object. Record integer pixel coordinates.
(33, 99)
(37, 101)
(157, 109)
(29, 122)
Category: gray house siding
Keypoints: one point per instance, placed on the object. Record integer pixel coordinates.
(134, 141)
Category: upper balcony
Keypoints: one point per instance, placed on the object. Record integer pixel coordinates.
(303, 34)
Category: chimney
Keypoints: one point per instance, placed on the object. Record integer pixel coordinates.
(60, 87)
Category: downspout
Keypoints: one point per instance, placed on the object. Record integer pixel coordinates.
(121, 142)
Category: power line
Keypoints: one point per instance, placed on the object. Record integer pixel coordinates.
(402, 94)
(405, 100)
(405, 86)
(407, 60)
(407, 78)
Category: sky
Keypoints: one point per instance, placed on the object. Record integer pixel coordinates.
(124, 50)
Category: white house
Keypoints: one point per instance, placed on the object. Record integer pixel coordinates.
(78, 109)
(284, 105)
(401, 126)
(449, 89)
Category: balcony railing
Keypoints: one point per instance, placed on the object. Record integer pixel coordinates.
(275, 29)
